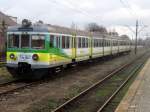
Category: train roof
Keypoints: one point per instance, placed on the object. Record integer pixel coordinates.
(43, 28)
(33, 28)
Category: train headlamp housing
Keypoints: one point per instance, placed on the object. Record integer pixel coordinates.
(35, 57)
(12, 56)
(26, 23)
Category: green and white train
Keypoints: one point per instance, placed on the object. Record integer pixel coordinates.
(34, 49)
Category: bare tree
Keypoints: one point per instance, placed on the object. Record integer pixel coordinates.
(114, 33)
(94, 27)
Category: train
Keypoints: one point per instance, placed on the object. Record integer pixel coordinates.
(34, 49)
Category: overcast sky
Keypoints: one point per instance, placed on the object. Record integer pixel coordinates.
(112, 14)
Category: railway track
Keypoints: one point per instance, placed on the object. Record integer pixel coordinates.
(16, 85)
(7, 83)
(97, 97)
(12, 86)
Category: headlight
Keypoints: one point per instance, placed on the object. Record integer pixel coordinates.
(35, 57)
(12, 56)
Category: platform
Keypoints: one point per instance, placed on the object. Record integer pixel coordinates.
(137, 99)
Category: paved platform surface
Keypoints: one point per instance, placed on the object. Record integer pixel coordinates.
(137, 99)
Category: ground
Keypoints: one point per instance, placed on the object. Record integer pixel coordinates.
(67, 84)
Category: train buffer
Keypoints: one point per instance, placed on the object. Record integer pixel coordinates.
(137, 99)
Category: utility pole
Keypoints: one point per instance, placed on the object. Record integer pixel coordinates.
(136, 36)
(136, 32)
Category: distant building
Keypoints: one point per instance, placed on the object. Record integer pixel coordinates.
(5, 21)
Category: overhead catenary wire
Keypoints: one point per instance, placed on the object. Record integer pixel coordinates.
(132, 12)
(76, 9)
(128, 7)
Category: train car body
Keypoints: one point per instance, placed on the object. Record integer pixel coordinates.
(34, 49)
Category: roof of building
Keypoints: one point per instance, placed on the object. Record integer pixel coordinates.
(7, 19)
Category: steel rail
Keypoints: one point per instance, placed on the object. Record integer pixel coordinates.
(23, 85)
(7, 83)
(119, 88)
(61, 107)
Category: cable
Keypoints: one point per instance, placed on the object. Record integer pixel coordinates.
(127, 6)
(72, 7)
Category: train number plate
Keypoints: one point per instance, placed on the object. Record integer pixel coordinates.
(24, 57)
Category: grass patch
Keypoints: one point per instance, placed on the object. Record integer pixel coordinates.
(45, 106)
(102, 93)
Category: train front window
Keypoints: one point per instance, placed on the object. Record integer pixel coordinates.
(25, 40)
(38, 41)
(13, 41)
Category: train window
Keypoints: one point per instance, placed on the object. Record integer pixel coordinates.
(63, 42)
(51, 40)
(83, 42)
(67, 42)
(120, 43)
(86, 42)
(79, 42)
(96, 42)
(25, 41)
(113, 43)
(38, 41)
(116, 43)
(13, 41)
(58, 41)
(107, 43)
(104, 43)
(101, 43)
